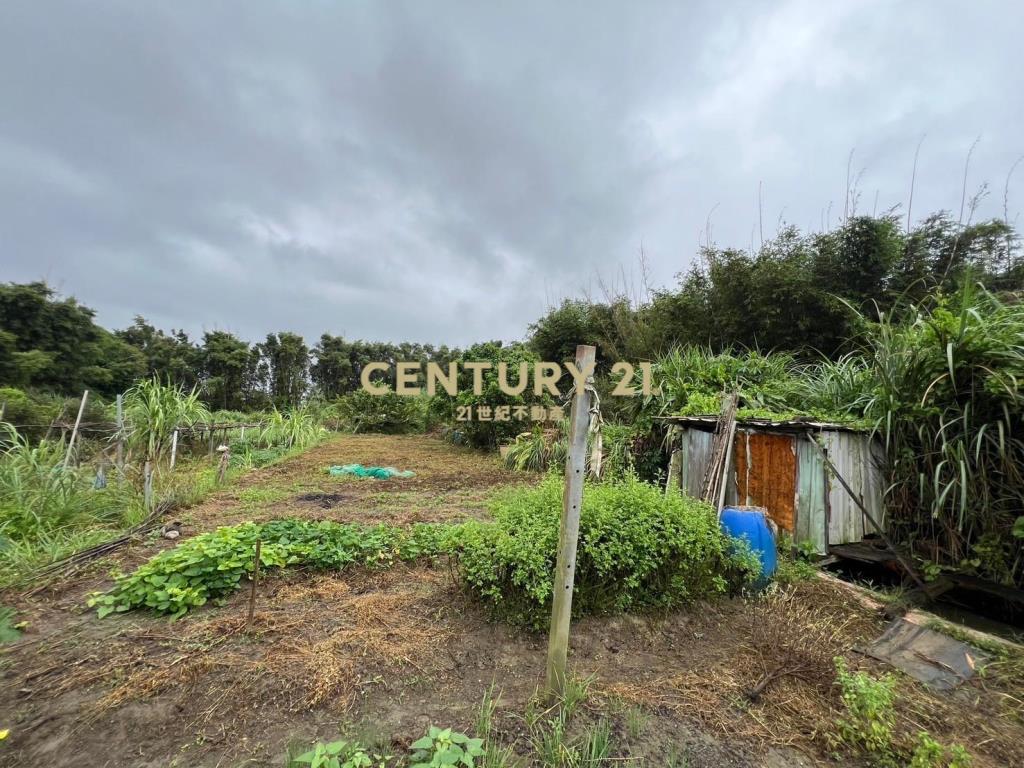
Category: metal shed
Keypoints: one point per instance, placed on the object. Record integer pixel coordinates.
(774, 466)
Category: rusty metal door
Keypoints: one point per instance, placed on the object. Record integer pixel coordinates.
(766, 475)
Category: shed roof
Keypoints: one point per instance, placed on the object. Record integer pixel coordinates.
(787, 425)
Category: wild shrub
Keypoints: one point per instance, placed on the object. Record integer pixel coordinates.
(480, 433)
(390, 413)
(212, 565)
(638, 547)
(870, 717)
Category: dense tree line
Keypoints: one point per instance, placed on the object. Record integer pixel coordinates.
(799, 292)
(53, 344)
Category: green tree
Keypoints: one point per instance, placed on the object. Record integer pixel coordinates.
(225, 367)
(287, 358)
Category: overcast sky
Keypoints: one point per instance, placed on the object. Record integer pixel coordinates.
(442, 172)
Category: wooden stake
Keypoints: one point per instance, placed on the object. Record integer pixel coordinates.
(74, 432)
(147, 486)
(255, 582)
(174, 447)
(225, 457)
(572, 499)
(119, 459)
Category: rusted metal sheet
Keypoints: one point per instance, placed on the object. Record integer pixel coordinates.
(785, 474)
(811, 498)
(765, 467)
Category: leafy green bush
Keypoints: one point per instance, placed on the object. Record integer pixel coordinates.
(389, 413)
(870, 715)
(638, 547)
(211, 565)
(488, 434)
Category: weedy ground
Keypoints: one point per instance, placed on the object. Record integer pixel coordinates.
(382, 654)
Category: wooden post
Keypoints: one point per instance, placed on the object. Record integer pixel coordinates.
(572, 499)
(255, 583)
(222, 470)
(147, 486)
(3, 410)
(211, 440)
(675, 471)
(119, 459)
(74, 432)
(727, 468)
(174, 447)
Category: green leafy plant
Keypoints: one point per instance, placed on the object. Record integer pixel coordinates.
(212, 565)
(9, 630)
(870, 716)
(335, 754)
(638, 547)
(444, 747)
(929, 753)
(390, 413)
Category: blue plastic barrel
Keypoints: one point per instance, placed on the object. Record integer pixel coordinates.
(750, 524)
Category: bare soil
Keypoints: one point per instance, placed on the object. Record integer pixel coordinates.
(382, 654)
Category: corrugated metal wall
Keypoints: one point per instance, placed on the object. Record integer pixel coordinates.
(811, 497)
(770, 465)
(859, 464)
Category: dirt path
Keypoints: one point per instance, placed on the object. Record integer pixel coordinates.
(382, 654)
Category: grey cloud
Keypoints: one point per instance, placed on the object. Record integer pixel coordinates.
(439, 172)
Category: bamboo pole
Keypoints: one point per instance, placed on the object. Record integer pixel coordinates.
(119, 460)
(74, 432)
(255, 583)
(569, 530)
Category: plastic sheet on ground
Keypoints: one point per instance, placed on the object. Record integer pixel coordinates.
(380, 473)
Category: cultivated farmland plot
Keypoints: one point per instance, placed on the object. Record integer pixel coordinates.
(379, 653)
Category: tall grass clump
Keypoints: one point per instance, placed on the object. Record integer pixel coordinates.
(638, 548)
(941, 388)
(46, 509)
(153, 410)
(295, 428)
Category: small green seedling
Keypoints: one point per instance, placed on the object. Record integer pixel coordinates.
(445, 747)
(336, 754)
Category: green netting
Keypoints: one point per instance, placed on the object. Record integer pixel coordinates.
(381, 473)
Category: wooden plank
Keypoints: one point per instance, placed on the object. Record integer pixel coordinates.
(568, 535)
